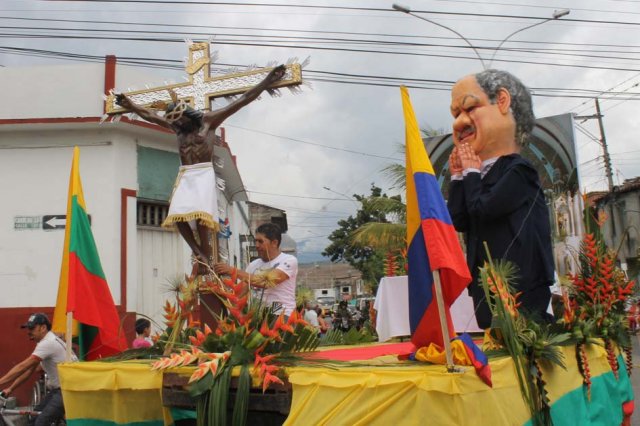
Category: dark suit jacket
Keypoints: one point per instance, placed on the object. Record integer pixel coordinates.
(506, 209)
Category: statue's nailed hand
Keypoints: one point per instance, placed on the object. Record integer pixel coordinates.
(123, 101)
(276, 74)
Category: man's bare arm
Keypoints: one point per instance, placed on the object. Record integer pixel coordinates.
(144, 113)
(215, 118)
(29, 364)
(224, 269)
(21, 379)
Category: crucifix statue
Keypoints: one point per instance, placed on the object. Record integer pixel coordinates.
(193, 207)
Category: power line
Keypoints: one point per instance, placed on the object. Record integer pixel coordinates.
(348, 8)
(313, 143)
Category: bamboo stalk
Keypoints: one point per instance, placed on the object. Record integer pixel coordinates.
(443, 320)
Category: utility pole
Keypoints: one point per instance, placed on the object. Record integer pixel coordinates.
(605, 150)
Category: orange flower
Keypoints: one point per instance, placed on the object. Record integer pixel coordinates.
(268, 379)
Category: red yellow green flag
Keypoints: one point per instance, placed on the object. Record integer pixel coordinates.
(83, 289)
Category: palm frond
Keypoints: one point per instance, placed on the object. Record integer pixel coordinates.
(396, 173)
(381, 236)
(388, 206)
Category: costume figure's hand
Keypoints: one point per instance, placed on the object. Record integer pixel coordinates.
(468, 158)
(455, 166)
(123, 101)
(277, 73)
(222, 269)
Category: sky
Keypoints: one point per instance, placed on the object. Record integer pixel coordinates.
(309, 153)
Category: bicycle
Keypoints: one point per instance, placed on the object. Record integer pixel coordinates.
(12, 412)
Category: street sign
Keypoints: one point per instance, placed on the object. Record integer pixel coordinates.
(56, 221)
(22, 223)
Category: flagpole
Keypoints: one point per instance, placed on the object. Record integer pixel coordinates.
(443, 320)
(69, 335)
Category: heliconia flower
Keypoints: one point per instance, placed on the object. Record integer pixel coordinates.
(187, 357)
(267, 369)
(267, 332)
(282, 325)
(200, 372)
(296, 318)
(207, 330)
(175, 360)
(193, 323)
(262, 359)
(268, 379)
(242, 301)
(213, 365)
(161, 364)
(198, 340)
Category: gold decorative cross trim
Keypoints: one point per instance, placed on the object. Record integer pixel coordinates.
(202, 88)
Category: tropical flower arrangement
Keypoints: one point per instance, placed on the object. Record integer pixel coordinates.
(249, 336)
(528, 342)
(594, 306)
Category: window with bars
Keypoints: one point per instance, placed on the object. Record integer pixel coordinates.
(151, 213)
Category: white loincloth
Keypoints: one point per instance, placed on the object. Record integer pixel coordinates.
(194, 197)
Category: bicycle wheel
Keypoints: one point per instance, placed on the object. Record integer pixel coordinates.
(37, 393)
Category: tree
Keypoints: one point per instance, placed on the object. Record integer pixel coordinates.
(365, 258)
(390, 236)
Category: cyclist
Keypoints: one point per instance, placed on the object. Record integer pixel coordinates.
(49, 352)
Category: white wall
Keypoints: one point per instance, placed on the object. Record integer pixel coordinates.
(35, 179)
(52, 91)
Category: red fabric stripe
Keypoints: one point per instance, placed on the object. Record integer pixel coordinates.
(90, 301)
(429, 329)
(360, 353)
(446, 254)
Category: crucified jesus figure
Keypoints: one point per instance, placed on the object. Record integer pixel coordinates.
(193, 200)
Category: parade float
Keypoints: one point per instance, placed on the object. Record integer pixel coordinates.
(251, 366)
(574, 371)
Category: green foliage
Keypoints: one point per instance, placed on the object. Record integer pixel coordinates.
(351, 337)
(364, 258)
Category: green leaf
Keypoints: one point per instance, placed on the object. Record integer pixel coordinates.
(201, 386)
(241, 406)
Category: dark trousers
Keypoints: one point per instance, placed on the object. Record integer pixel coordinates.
(534, 305)
(51, 409)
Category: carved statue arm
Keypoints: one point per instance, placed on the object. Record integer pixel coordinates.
(215, 118)
(144, 113)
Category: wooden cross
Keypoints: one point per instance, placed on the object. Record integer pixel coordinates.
(202, 88)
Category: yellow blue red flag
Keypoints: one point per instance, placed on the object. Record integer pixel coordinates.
(431, 238)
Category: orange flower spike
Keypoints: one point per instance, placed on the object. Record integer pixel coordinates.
(200, 372)
(268, 379)
(262, 359)
(282, 325)
(242, 301)
(207, 330)
(213, 365)
(237, 314)
(264, 329)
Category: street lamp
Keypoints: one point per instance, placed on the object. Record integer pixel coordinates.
(557, 14)
(341, 194)
(406, 10)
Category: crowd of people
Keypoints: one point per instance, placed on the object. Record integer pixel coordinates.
(343, 318)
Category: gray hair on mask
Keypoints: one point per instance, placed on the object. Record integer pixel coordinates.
(491, 81)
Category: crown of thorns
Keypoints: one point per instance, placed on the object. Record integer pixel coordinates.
(178, 110)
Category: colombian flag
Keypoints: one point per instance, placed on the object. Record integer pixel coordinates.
(433, 242)
(83, 289)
